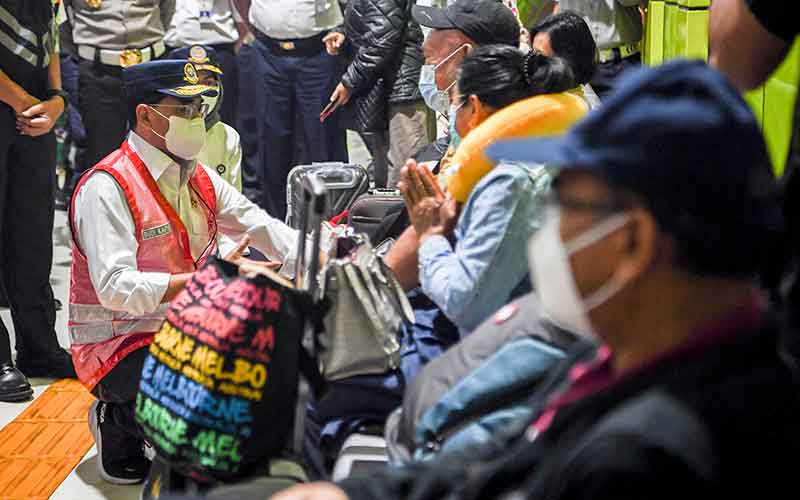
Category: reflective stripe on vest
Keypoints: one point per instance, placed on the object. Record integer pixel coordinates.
(90, 323)
(93, 333)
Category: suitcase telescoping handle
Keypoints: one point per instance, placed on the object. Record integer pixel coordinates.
(314, 199)
(314, 196)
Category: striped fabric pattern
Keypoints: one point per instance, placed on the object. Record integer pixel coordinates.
(23, 42)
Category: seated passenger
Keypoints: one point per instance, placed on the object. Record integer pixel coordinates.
(470, 260)
(143, 220)
(567, 35)
(665, 210)
(455, 31)
(494, 226)
(483, 382)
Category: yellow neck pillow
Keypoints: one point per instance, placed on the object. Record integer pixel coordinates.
(541, 115)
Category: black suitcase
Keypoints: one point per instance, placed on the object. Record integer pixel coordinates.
(380, 214)
(344, 183)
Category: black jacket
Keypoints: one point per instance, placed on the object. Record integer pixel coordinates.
(718, 424)
(384, 48)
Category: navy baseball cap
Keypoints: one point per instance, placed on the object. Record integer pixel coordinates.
(485, 21)
(176, 78)
(202, 56)
(681, 137)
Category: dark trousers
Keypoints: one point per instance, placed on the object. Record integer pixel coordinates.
(378, 145)
(226, 58)
(119, 387)
(296, 85)
(77, 132)
(250, 124)
(27, 176)
(605, 79)
(103, 108)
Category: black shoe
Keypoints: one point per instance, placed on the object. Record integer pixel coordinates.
(54, 364)
(13, 384)
(120, 456)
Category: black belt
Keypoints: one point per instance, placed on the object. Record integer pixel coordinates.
(295, 46)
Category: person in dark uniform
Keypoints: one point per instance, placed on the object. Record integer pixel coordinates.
(298, 77)
(31, 100)
(110, 35)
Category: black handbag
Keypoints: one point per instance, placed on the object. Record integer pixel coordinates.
(380, 214)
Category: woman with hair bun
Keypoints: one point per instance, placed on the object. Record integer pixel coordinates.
(468, 252)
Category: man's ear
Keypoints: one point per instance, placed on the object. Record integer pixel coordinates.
(638, 245)
(143, 115)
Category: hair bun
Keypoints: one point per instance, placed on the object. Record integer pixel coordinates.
(529, 61)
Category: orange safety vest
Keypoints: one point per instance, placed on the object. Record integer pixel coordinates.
(102, 337)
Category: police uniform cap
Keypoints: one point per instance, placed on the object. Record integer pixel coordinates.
(202, 56)
(176, 78)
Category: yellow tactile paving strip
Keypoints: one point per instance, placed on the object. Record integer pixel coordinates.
(45, 442)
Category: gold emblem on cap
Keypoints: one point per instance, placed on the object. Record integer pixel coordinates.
(94, 4)
(190, 73)
(198, 54)
(191, 90)
(129, 57)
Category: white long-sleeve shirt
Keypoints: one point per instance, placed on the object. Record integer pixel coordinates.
(105, 230)
(223, 154)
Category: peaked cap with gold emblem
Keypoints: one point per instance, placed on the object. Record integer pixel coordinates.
(176, 78)
(203, 57)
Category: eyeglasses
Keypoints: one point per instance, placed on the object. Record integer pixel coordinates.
(187, 111)
(554, 200)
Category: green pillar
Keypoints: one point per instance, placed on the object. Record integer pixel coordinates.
(691, 29)
(780, 94)
(654, 33)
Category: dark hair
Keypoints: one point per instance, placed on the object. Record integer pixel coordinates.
(501, 75)
(571, 39)
(149, 98)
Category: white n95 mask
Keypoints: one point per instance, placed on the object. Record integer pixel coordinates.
(185, 138)
(553, 280)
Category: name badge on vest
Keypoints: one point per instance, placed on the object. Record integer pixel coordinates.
(155, 232)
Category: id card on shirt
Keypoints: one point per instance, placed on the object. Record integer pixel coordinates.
(204, 11)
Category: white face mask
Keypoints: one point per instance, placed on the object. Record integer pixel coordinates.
(185, 138)
(552, 276)
(210, 109)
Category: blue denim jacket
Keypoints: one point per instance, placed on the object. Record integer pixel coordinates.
(489, 261)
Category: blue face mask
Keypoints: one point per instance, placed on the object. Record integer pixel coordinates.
(437, 100)
(455, 137)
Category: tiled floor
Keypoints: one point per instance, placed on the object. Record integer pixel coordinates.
(84, 483)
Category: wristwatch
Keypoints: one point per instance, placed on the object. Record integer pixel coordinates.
(58, 93)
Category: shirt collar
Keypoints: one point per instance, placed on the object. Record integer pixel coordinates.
(598, 374)
(592, 377)
(153, 158)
